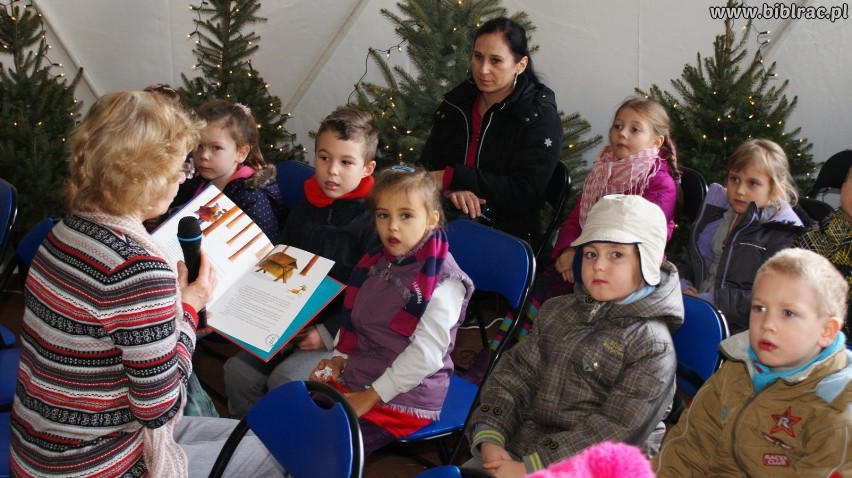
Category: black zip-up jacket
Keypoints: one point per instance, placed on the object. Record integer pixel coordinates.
(342, 232)
(520, 142)
(755, 239)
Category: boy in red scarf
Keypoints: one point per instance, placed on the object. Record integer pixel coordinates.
(334, 222)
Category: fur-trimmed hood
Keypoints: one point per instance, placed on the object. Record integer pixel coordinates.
(261, 177)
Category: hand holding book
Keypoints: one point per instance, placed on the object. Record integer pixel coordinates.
(265, 294)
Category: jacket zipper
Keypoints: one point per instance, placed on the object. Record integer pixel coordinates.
(467, 130)
(693, 244)
(729, 248)
(734, 430)
(750, 244)
(482, 137)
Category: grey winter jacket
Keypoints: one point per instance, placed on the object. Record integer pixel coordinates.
(588, 372)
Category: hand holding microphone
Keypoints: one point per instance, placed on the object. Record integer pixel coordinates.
(200, 277)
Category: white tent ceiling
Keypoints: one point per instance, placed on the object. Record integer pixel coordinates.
(593, 54)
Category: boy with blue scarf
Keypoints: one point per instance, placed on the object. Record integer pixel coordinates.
(779, 406)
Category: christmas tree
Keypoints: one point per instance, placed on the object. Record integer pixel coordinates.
(224, 53)
(724, 101)
(37, 113)
(438, 38)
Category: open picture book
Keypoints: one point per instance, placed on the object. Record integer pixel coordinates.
(264, 294)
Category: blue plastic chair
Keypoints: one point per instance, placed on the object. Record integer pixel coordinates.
(694, 188)
(697, 343)
(307, 437)
(9, 358)
(496, 262)
(8, 210)
(5, 436)
(8, 213)
(291, 176)
(452, 471)
(32, 240)
(557, 193)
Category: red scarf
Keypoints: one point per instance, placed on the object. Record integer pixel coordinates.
(317, 198)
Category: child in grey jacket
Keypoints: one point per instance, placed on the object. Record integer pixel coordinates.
(599, 364)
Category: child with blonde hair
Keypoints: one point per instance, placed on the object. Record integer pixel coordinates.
(780, 404)
(402, 307)
(739, 227)
(640, 159)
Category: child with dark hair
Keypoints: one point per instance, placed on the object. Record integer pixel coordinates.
(229, 157)
(334, 222)
(599, 364)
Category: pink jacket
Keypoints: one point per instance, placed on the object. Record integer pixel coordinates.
(604, 460)
(661, 191)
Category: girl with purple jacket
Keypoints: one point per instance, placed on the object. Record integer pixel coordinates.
(402, 307)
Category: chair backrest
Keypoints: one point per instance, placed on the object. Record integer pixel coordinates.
(697, 343)
(5, 444)
(694, 188)
(8, 212)
(29, 244)
(9, 360)
(306, 435)
(452, 471)
(494, 260)
(832, 173)
(291, 176)
(816, 209)
(557, 193)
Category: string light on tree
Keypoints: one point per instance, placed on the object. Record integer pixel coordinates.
(223, 59)
(728, 98)
(39, 109)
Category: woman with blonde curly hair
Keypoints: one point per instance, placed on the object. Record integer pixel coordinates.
(109, 325)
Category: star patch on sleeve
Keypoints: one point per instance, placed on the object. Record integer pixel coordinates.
(784, 423)
(548, 142)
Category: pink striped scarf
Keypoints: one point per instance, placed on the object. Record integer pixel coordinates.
(432, 252)
(611, 175)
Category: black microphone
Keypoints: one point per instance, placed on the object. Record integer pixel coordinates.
(189, 237)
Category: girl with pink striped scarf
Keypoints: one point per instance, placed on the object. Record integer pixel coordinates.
(640, 159)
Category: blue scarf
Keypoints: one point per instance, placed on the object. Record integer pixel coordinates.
(764, 377)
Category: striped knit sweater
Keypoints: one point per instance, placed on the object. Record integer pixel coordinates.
(102, 354)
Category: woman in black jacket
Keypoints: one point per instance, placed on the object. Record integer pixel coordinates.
(497, 136)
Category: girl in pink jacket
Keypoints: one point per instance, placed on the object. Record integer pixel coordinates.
(640, 159)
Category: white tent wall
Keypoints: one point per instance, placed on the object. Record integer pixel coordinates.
(593, 54)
